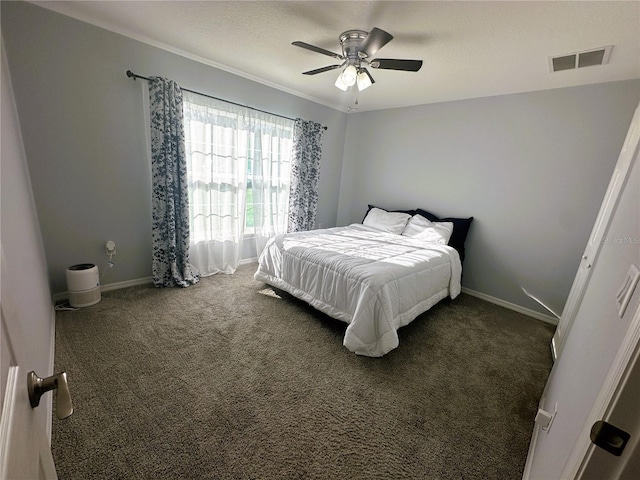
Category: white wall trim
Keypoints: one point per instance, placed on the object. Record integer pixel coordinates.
(128, 283)
(503, 303)
(131, 283)
(110, 286)
(512, 306)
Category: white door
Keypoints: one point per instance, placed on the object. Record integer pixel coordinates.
(590, 255)
(598, 346)
(623, 413)
(24, 448)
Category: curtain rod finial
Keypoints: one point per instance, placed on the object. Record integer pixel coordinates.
(130, 74)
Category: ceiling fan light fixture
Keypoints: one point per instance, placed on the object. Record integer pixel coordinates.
(349, 76)
(340, 83)
(363, 81)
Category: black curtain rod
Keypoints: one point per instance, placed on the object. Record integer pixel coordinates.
(130, 74)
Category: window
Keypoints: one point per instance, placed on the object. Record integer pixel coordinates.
(238, 166)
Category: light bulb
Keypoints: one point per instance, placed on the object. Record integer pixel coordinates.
(363, 81)
(349, 75)
(340, 84)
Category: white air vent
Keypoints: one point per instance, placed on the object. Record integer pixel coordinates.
(588, 58)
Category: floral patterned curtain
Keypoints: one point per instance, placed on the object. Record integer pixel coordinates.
(305, 173)
(170, 197)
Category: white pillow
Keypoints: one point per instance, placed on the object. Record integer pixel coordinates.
(420, 228)
(392, 222)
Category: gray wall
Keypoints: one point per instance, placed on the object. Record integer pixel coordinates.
(531, 168)
(83, 131)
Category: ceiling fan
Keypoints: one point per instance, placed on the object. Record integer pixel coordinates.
(358, 47)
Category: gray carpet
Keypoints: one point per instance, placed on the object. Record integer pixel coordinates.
(227, 380)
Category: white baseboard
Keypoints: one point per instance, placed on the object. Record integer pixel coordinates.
(503, 303)
(512, 306)
(125, 284)
(108, 287)
(131, 283)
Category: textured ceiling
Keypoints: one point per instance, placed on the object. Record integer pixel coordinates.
(470, 49)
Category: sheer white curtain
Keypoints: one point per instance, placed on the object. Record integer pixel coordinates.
(238, 163)
(269, 177)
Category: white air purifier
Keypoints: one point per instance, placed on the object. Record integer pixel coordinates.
(83, 285)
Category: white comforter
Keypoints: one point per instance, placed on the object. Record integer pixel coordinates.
(376, 282)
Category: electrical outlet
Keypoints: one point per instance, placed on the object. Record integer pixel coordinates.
(110, 248)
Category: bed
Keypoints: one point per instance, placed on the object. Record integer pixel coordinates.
(376, 276)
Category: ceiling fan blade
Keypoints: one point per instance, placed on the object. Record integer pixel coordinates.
(318, 50)
(373, 42)
(395, 64)
(322, 70)
(369, 75)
